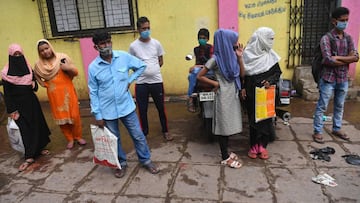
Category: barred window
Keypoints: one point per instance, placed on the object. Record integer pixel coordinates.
(82, 17)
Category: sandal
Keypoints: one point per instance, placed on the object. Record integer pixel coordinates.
(253, 151)
(168, 137)
(26, 164)
(45, 152)
(151, 168)
(317, 137)
(324, 179)
(233, 156)
(81, 141)
(341, 135)
(264, 154)
(191, 106)
(70, 145)
(252, 155)
(325, 150)
(231, 163)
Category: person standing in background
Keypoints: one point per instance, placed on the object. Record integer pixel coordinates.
(55, 72)
(23, 105)
(228, 68)
(337, 56)
(203, 53)
(150, 81)
(261, 70)
(111, 100)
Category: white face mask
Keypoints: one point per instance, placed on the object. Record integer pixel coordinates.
(106, 51)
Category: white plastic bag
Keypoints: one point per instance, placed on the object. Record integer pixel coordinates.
(15, 138)
(106, 146)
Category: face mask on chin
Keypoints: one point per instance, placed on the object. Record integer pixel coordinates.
(106, 51)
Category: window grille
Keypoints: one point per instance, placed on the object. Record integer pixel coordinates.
(77, 18)
(309, 21)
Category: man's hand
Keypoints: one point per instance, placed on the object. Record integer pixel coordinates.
(100, 123)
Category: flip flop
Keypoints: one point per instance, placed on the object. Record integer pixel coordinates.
(318, 155)
(151, 168)
(45, 152)
(340, 135)
(81, 141)
(317, 137)
(26, 164)
(352, 159)
(324, 179)
(325, 150)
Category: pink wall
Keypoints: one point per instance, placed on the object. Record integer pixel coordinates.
(88, 53)
(228, 14)
(353, 28)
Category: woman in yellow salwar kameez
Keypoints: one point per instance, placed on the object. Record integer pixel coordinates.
(55, 71)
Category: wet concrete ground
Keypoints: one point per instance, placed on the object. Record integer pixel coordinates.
(190, 169)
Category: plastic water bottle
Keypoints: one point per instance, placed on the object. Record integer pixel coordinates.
(327, 118)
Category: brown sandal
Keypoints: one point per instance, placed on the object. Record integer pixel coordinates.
(340, 135)
(317, 137)
(26, 164)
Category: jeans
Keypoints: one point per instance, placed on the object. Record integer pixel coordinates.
(192, 80)
(326, 90)
(132, 124)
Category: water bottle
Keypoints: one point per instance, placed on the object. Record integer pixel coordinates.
(327, 118)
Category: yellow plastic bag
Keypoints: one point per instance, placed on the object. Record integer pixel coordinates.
(264, 103)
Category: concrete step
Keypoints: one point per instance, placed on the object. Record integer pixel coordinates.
(305, 85)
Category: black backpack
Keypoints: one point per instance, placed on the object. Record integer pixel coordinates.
(316, 65)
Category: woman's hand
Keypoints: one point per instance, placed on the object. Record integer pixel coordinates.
(239, 50)
(15, 115)
(64, 65)
(216, 86)
(265, 83)
(243, 94)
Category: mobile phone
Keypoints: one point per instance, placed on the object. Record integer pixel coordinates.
(62, 60)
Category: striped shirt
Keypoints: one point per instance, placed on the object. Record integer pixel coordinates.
(343, 47)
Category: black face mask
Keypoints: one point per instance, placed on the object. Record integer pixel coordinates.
(18, 66)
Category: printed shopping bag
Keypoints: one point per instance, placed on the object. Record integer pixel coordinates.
(15, 138)
(264, 103)
(106, 146)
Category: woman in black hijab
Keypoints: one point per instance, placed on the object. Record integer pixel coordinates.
(23, 105)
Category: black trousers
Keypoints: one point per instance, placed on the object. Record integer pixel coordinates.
(142, 93)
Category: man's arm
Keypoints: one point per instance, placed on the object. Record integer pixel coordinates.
(137, 66)
(93, 94)
(161, 60)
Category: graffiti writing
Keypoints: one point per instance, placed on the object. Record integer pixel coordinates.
(258, 13)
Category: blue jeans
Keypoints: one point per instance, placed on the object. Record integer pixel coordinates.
(131, 122)
(192, 80)
(326, 90)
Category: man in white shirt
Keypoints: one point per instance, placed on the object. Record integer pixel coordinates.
(150, 82)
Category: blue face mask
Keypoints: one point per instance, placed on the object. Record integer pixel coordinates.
(202, 42)
(145, 34)
(341, 25)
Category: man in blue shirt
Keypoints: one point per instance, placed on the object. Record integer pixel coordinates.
(111, 100)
